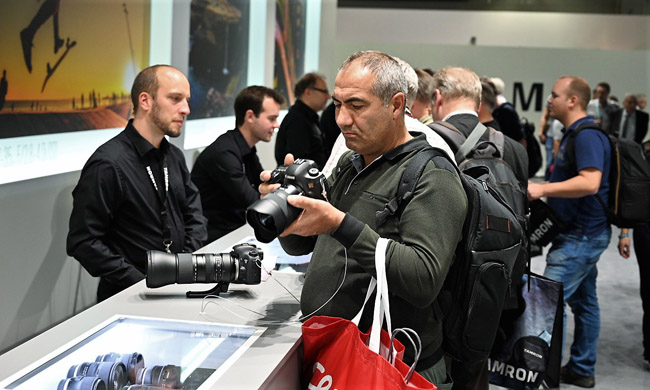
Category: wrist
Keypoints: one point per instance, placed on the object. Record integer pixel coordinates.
(623, 235)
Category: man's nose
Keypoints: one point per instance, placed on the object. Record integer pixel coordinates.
(185, 108)
(343, 117)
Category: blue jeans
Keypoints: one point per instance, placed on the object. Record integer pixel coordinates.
(572, 260)
(549, 154)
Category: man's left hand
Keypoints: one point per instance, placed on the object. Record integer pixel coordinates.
(317, 217)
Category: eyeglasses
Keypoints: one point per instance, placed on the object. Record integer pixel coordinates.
(326, 92)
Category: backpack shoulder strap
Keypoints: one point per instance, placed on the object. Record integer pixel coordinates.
(410, 179)
(470, 142)
(570, 146)
(449, 133)
(498, 139)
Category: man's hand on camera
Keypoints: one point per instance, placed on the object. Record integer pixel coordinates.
(318, 217)
(266, 188)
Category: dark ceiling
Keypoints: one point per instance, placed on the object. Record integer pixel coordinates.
(629, 7)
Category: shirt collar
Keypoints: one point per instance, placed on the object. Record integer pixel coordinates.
(140, 143)
(580, 121)
(458, 112)
(419, 141)
(241, 143)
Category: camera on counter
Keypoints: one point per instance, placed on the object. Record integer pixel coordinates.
(272, 214)
(243, 265)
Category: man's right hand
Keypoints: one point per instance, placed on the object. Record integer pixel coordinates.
(265, 188)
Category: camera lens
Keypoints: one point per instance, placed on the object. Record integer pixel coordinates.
(272, 214)
(113, 374)
(163, 376)
(182, 268)
(132, 362)
(82, 383)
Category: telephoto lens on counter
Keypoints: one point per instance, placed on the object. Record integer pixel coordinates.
(272, 214)
(163, 376)
(132, 362)
(113, 374)
(243, 265)
(82, 383)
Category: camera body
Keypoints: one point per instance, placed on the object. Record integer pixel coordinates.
(272, 214)
(243, 265)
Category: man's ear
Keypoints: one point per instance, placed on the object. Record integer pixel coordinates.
(573, 101)
(436, 99)
(436, 103)
(145, 100)
(249, 116)
(397, 104)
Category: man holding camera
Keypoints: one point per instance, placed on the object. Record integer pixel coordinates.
(135, 193)
(227, 172)
(342, 232)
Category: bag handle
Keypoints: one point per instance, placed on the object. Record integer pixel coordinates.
(382, 306)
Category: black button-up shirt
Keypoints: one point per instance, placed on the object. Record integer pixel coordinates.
(227, 174)
(116, 215)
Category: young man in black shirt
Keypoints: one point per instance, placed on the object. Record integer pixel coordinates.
(135, 192)
(227, 172)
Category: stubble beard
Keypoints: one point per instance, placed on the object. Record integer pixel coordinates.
(166, 127)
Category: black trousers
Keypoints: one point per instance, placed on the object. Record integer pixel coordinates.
(641, 236)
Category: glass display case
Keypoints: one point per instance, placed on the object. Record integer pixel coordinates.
(140, 353)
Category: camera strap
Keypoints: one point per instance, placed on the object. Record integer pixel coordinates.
(164, 215)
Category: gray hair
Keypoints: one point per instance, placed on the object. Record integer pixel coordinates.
(458, 83)
(411, 81)
(389, 77)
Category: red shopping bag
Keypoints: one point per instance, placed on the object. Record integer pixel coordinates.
(337, 355)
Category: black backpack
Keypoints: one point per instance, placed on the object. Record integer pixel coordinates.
(532, 147)
(478, 281)
(629, 179)
(470, 152)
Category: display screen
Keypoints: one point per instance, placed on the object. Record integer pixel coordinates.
(138, 351)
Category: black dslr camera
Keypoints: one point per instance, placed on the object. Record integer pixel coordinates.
(272, 214)
(243, 265)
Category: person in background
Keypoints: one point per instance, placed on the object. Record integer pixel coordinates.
(505, 113)
(601, 106)
(227, 172)
(488, 101)
(629, 122)
(329, 128)
(135, 192)
(641, 101)
(421, 109)
(456, 100)
(571, 192)
(300, 133)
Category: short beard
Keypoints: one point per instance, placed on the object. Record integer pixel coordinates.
(165, 127)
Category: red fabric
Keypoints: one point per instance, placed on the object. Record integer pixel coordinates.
(336, 357)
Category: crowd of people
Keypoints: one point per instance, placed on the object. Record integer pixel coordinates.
(136, 192)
